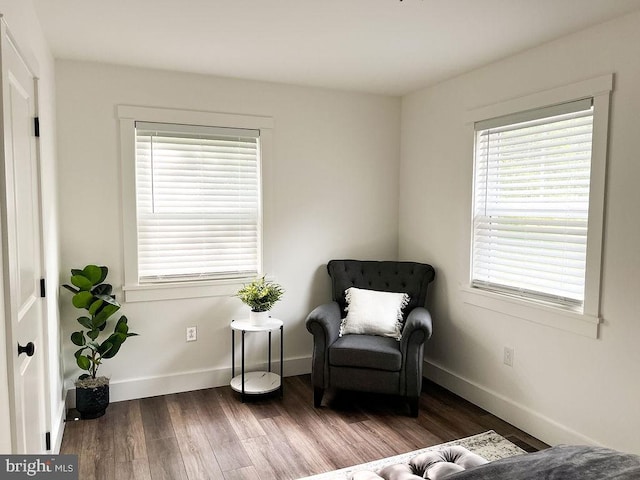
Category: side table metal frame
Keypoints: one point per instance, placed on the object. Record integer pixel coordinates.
(233, 356)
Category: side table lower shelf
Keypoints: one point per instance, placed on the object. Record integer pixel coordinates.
(256, 383)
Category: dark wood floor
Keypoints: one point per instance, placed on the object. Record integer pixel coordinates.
(210, 434)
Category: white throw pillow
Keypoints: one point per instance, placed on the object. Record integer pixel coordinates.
(373, 313)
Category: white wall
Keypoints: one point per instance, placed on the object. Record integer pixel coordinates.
(25, 28)
(332, 193)
(563, 387)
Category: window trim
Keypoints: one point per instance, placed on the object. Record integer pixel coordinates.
(127, 116)
(587, 322)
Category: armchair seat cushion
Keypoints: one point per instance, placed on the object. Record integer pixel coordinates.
(366, 351)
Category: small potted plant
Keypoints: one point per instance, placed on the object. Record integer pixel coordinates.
(260, 295)
(94, 296)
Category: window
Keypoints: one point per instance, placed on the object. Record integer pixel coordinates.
(198, 202)
(531, 203)
(538, 206)
(192, 200)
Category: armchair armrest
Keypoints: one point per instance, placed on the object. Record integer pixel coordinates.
(417, 330)
(324, 323)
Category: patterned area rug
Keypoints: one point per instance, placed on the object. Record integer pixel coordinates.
(489, 445)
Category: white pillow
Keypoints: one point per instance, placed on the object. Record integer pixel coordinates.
(373, 313)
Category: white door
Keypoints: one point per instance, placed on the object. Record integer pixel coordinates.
(21, 251)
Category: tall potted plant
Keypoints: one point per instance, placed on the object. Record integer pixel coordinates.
(96, 340)
(260, 295)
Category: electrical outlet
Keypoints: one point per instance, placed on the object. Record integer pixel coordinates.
(192, 334)
(508, 356)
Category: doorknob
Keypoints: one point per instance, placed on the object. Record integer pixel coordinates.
(29, 349)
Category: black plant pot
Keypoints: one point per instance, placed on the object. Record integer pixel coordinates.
(92, 402)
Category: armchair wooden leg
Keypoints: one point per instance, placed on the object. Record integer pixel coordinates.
(317, 396)
(413, 405)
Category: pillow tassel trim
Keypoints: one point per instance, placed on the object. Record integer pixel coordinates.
(347, 297)
(342, 324)
(400, 322)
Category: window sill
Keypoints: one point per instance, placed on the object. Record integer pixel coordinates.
(580, 323)
(180, 290)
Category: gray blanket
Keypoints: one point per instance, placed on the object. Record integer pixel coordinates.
(564, 462)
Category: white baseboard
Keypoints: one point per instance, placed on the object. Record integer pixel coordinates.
(187, 381)
(522, 417)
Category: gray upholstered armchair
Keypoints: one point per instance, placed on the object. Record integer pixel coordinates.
(372, 363)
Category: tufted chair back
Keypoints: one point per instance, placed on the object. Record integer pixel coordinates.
(387, 276)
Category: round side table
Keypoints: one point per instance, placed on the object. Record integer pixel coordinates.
(256, 382)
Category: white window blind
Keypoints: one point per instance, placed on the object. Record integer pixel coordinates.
(198, 202)
(531, 203)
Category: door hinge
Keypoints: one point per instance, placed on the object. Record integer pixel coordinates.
(47, 440)
(36, 125)
(43, 290)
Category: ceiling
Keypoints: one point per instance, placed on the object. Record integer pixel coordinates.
(380, 46)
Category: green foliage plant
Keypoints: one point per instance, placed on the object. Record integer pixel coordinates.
(91, 294)
(260, 294)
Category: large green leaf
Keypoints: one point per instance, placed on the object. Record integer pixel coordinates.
(102, 289)
(99, 321)
(78, 338)
(82, 282)
(121, 326)
(104, 314)
(103, 275)
(85, 322)
(95, 306)
(93, 273)
(116, 339)
(84, 362)
(110, 299)
(112, 351)
(82, 299)
(105, 347)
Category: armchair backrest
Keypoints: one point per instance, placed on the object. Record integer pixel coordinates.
(386, 276)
